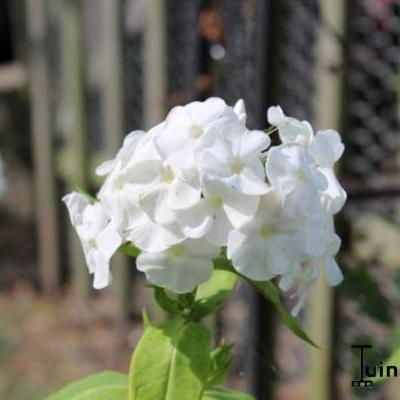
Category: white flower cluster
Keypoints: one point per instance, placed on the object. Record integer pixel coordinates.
(201, 181)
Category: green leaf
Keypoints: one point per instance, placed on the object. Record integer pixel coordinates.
(88, 196)
(129, 250)
(171, 361)
(105, 393)
(271, 292)
(213, 293)
(95, 387)
(361, 286)
(165, 302)
(220, 361)
(225, 394)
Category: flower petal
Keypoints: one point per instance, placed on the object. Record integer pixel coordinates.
(149, 236)
(326, 148)
(195, 221)
(334, 275)
(182, 195)
(76, 203)
(220, 229)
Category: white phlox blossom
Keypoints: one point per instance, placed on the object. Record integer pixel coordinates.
(267, 244)
(181, 267)
(200, 182)
(98, 236)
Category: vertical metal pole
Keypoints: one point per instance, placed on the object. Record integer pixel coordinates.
(112, 97)
(45, 187)
(74, 110)
(327, 108)
(265, 74)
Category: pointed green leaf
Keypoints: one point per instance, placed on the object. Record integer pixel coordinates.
(165, 302)
(212, 294)
(146, 319)
(220, 361)
(171, 361)
(129, 250)
(225, 394)
(104, 382)
(217, 288)
(271, 292)
(105, 393)
(88, 196)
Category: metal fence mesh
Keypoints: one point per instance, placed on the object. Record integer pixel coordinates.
(182, 50)
(372, 88)
(296, 57)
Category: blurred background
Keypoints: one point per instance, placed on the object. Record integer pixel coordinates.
(77, 75)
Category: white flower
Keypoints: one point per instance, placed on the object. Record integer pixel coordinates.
(123, 156)
(235, 160)
(215, 215)
(148, 235)
(240, 110)
(197, 182)
(296, 176)
(303, 277)
(98, 236)
(191, 128)
(320, 249)
(334, 196)
(268, 244)
(165, 188)
(326, 148)
(291, 130)
(117, 193)
(181, 267)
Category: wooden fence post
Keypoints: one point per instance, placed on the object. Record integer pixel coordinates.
(154, 62)
(45, 188)
(75, 128)
(113, 107)
(327, 109)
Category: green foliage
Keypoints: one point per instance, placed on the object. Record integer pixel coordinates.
(212, 294)
(171, 361)
(88, 196)
(225, 394)
(168, 304)
(208, 297)
(270, 291)
(129, 250)
(102, 386)
(220, 361)
(360, 286)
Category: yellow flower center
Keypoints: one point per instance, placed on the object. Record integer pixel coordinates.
(236, 167)
(177, 250)
(92, 243)
(301, 176)
(267, 230)
(216, 202)
(119, 183)
(196, 131)
(168, 175)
